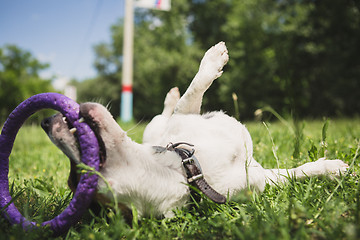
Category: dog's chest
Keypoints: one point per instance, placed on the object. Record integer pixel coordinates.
(152, 183)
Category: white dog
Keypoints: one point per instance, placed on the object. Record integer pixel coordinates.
(153, 176)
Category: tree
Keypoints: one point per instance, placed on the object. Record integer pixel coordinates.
(296, 56)
(164, 57)
(251, 70)
(19, 78)
(335, 63)
(299, 57)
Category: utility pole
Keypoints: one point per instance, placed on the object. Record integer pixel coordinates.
(126, 113)
(126, 109)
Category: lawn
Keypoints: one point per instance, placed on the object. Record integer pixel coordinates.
(314, 208)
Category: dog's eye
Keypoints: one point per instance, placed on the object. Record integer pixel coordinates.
(64, 120)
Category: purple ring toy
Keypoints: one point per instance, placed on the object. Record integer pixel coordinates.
(90, 156)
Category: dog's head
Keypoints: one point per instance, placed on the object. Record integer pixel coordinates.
(108, 134)
(64, 136)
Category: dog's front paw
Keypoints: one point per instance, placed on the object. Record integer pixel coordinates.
(213, 61)
(172, 97)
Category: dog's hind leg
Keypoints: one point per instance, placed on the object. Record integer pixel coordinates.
(320, 167)
(210, 69)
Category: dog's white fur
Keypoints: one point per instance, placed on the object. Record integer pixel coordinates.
(155, 183)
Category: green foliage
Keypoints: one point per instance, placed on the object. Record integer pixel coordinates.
(299, 57)
(285, 54)
(163, 58)
(19, 78)
(314, 208)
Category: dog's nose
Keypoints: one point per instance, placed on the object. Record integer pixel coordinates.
(46, 123)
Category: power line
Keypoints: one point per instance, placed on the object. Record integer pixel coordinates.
(87, 35)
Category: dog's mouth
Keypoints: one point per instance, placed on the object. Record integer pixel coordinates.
(64, 135)
(96, 129)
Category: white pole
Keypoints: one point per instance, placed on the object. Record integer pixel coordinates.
(127, 67)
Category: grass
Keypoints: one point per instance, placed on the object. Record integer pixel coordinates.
(314, 208)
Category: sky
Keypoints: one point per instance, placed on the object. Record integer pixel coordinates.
(61, 33)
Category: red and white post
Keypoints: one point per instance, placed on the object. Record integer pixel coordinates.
(126, 109)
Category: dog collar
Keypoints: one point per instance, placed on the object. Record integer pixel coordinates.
(193, 170)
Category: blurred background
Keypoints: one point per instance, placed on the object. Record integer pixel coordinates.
(301, 58)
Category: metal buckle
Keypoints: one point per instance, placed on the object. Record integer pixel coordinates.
(171, 146)
(189, 160)
(194, 178)
(190, 157)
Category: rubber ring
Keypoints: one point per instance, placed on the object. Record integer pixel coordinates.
(90, 156)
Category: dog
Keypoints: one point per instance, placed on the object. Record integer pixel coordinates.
(154, 176)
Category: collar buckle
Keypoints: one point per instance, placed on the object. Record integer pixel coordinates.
(193, 170)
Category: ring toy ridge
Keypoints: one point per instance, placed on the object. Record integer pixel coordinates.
(89, 154)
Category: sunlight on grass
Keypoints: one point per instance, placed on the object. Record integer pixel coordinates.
(34, 156)
(310, 209)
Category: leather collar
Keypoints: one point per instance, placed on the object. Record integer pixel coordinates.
(193, 171)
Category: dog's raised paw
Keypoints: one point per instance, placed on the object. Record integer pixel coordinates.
(172, 97)
(214, 60)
